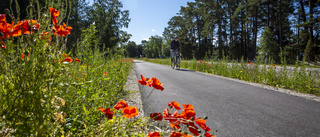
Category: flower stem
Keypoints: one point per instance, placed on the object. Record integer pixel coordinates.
(147, 97)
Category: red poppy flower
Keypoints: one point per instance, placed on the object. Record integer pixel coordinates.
(170, 117)
(120, 105)
(153, 134)
(105, 73)
(174, 104)
(202, 123)
(67, 28)
(64, 55)
(22, 56)
(274, 65)
(208, 135)
(3, 18)
(4, 46)
(108, 112)
(188, 111)
(5, 29)
(156, 84)
(156, 116)
(68, 59)
(267, 67)
(175, 134)
(77, 60)
(143, 81)
(54, 15)
(130, 112)
(61, 30)
(175, 125)
(193, 129)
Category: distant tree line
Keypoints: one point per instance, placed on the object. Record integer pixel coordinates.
(275, 30)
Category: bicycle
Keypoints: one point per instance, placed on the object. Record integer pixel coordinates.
(174, 63)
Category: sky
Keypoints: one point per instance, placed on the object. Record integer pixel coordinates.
(150, 17)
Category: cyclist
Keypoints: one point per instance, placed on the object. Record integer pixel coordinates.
(174, 47)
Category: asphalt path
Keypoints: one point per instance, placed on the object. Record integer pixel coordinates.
(234, 109)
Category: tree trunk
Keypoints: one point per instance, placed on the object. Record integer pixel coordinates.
(280, 23)
(304, 18)
(255, 33)
(311, 19)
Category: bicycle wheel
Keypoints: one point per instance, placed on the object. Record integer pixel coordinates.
(172, 63)
(179, 62)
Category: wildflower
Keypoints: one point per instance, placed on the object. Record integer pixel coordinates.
(105, 73)
(267, 67)
(120, 105)
(61, 30)
(130, 112)
(202, 123)
(3, 18)
(249, 63)
(153, 134)
(274, 65)
(175, 134)
(144, 81)
(175, 124)
(208, 135)
(68, 59)
(156, 84)
(193, 128)
(179, 134)
(77, 60)
(108, 112)
(23, 56)
(4, 46)
(170, 117)
(5, 29)
(174, 104)
(156, 116)
(54, 15)
(64, 55)
(307, 70)
(188, 111)
(23, 27)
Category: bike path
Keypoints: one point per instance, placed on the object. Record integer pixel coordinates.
(234, 109)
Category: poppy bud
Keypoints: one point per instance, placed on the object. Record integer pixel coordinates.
(7, 11)
(179, 130)
(192, 118)
(199, 131)
(1, 34)
(205, 117)
(185, 132)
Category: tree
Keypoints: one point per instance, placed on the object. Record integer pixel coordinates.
(269, 49)
(109, 19)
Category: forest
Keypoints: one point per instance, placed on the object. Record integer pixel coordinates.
(278, 30)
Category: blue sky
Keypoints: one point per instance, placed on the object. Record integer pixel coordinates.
(150, 17)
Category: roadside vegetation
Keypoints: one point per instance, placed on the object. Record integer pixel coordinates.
(300, 78)
(51, 87)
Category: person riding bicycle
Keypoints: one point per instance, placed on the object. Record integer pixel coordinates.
(175, 47)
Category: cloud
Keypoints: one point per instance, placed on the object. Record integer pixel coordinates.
(147, 39)
(153, 30)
